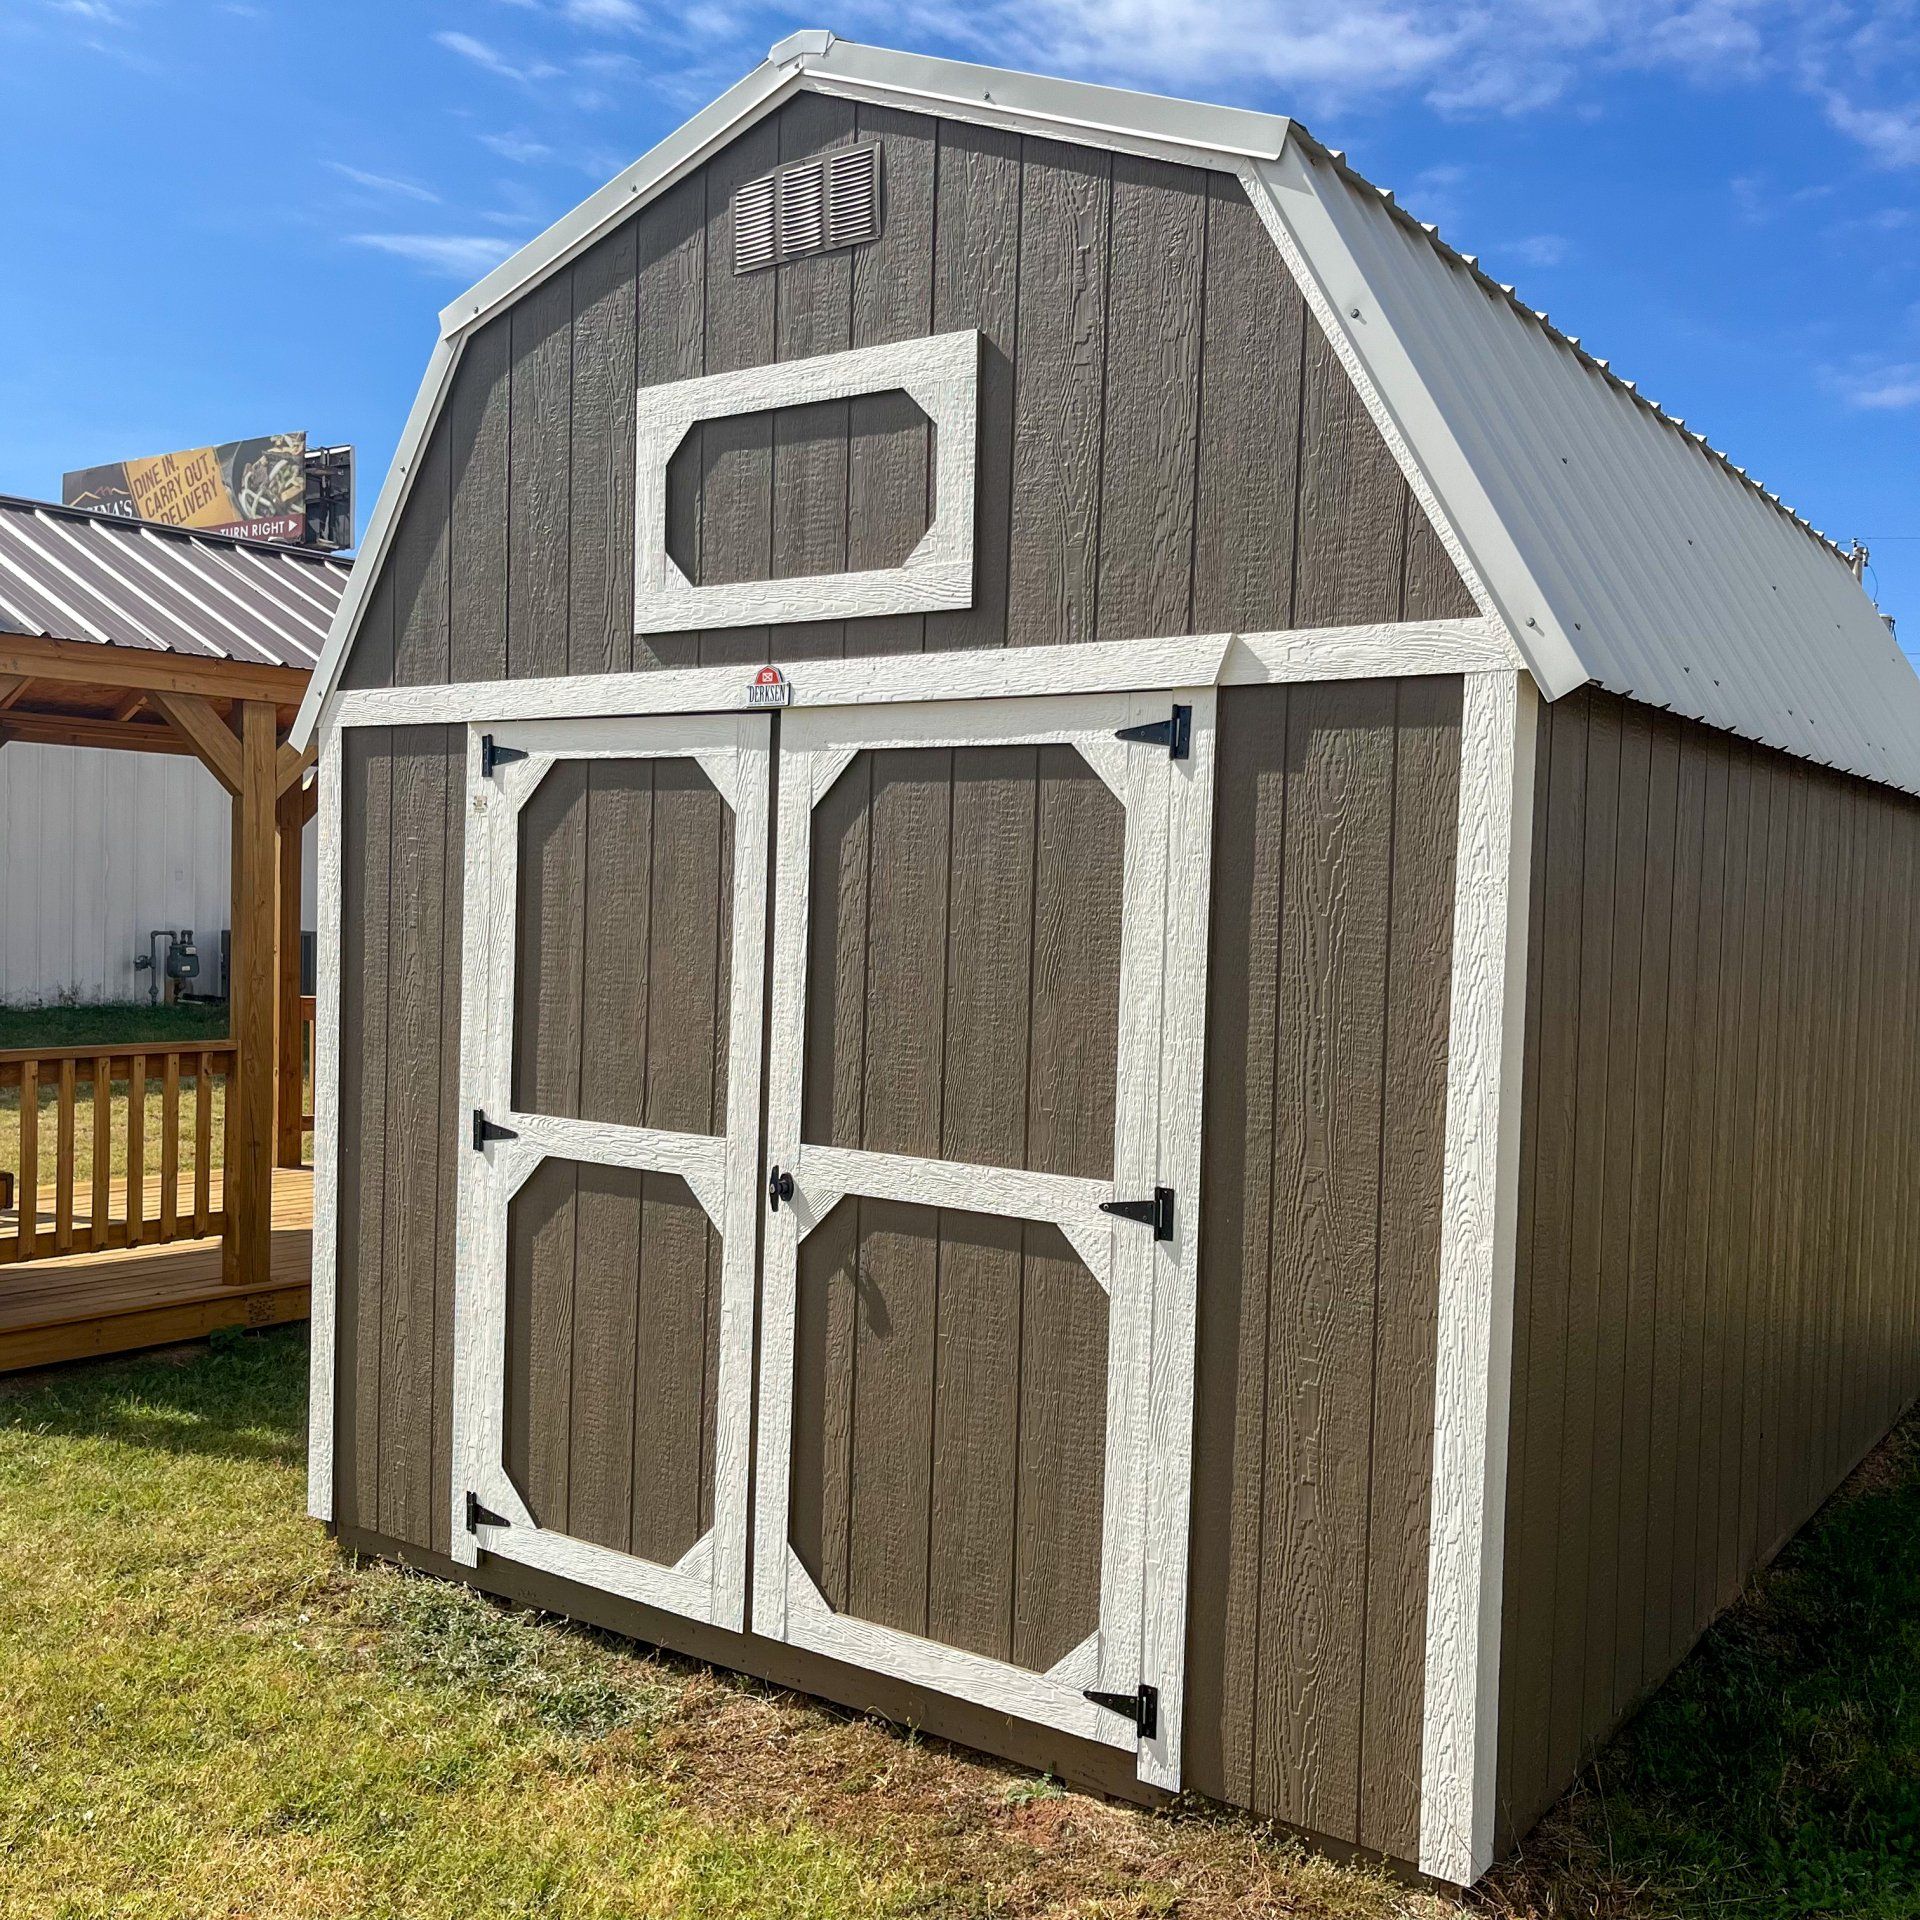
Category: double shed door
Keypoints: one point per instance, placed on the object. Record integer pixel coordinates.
(983, 995)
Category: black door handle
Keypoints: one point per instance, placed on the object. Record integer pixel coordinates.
(779, 1187)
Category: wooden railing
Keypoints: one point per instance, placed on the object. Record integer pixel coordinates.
(69, 1095)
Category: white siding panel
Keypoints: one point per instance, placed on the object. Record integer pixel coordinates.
(1670, 577)
(96, 848)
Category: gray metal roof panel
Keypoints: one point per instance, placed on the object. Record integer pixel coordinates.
(67, 574)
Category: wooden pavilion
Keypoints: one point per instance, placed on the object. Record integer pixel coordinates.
(123, 634)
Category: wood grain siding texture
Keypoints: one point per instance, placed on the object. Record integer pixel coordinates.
(1715, 1304)
(963, 995)
(1326, 1101)
(1168, 443)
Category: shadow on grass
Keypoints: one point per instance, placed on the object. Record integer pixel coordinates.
(1778, 1772)
(241, 1396)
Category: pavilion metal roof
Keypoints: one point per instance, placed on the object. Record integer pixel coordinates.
(70, 574)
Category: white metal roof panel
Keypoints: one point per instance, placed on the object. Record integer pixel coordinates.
(1667, 575)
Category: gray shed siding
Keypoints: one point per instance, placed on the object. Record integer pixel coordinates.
(1716, 1305)
(1168, 444)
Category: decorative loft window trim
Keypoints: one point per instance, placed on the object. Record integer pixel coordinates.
(941, 376)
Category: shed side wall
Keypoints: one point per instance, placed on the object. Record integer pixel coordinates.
(1715, 1300)
(1167, 442)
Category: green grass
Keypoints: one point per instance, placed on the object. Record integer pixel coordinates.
(113, 1023)
(1777, 1773)
(206, 1710)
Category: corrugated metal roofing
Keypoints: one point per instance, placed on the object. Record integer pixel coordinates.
(66, 574)
(1642, 554)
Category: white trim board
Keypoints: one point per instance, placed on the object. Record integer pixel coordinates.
(1480, 1188)
(721, 1170)
(323, 1312)
(1382, 651)
(941, 375)
(1150, 1284)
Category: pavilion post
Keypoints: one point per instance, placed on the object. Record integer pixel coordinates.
(247, 1245)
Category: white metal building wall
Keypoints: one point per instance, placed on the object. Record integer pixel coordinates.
(98, 847)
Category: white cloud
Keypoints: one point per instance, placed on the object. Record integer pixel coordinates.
(493, 61)
(520, 148)
(1883, 386)
(385, 183)
(1538, 249)
(1891, 135)
(619, 15)
(471, 254)
(96, 11)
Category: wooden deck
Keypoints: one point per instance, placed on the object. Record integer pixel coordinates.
(128, 1297)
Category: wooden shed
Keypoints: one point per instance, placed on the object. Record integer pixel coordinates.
(1101, 964)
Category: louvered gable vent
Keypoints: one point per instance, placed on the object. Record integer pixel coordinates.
(813, 206)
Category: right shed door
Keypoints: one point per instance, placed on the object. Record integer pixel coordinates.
(976, 1377)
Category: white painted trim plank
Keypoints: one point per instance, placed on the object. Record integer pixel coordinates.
(940, 374)
(1150, 1289)
(323, 1328)
(1371, 652)
(721, 1169)
(1479, 1208)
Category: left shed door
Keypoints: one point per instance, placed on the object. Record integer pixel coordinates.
(615, 921)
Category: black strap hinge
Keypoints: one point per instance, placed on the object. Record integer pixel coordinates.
(479, 1516)
(493, 755)
(1142, 1706)
(1156, 1213)
(1175, 733)
(485, 1130)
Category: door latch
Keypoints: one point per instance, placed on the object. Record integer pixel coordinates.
(1175, 733)
(1142, 1706)
(485, 1130)
(493, 755)
(1156, 1213)
(779, 1187)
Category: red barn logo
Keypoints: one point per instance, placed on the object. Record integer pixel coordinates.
(770, 688)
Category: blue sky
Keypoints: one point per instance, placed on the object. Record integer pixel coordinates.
(229, 217)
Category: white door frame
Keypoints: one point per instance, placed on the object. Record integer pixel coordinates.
(1151, 1283)
(722, 1170)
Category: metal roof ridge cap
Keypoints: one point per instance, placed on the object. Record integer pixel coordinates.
(1241, 132)
(580, 226)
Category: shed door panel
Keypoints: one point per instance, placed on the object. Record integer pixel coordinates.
(973, 1376)
(609, 1215)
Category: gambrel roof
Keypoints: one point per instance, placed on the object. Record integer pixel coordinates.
(1613, 545)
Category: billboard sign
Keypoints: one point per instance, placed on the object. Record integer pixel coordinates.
(257, 488)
